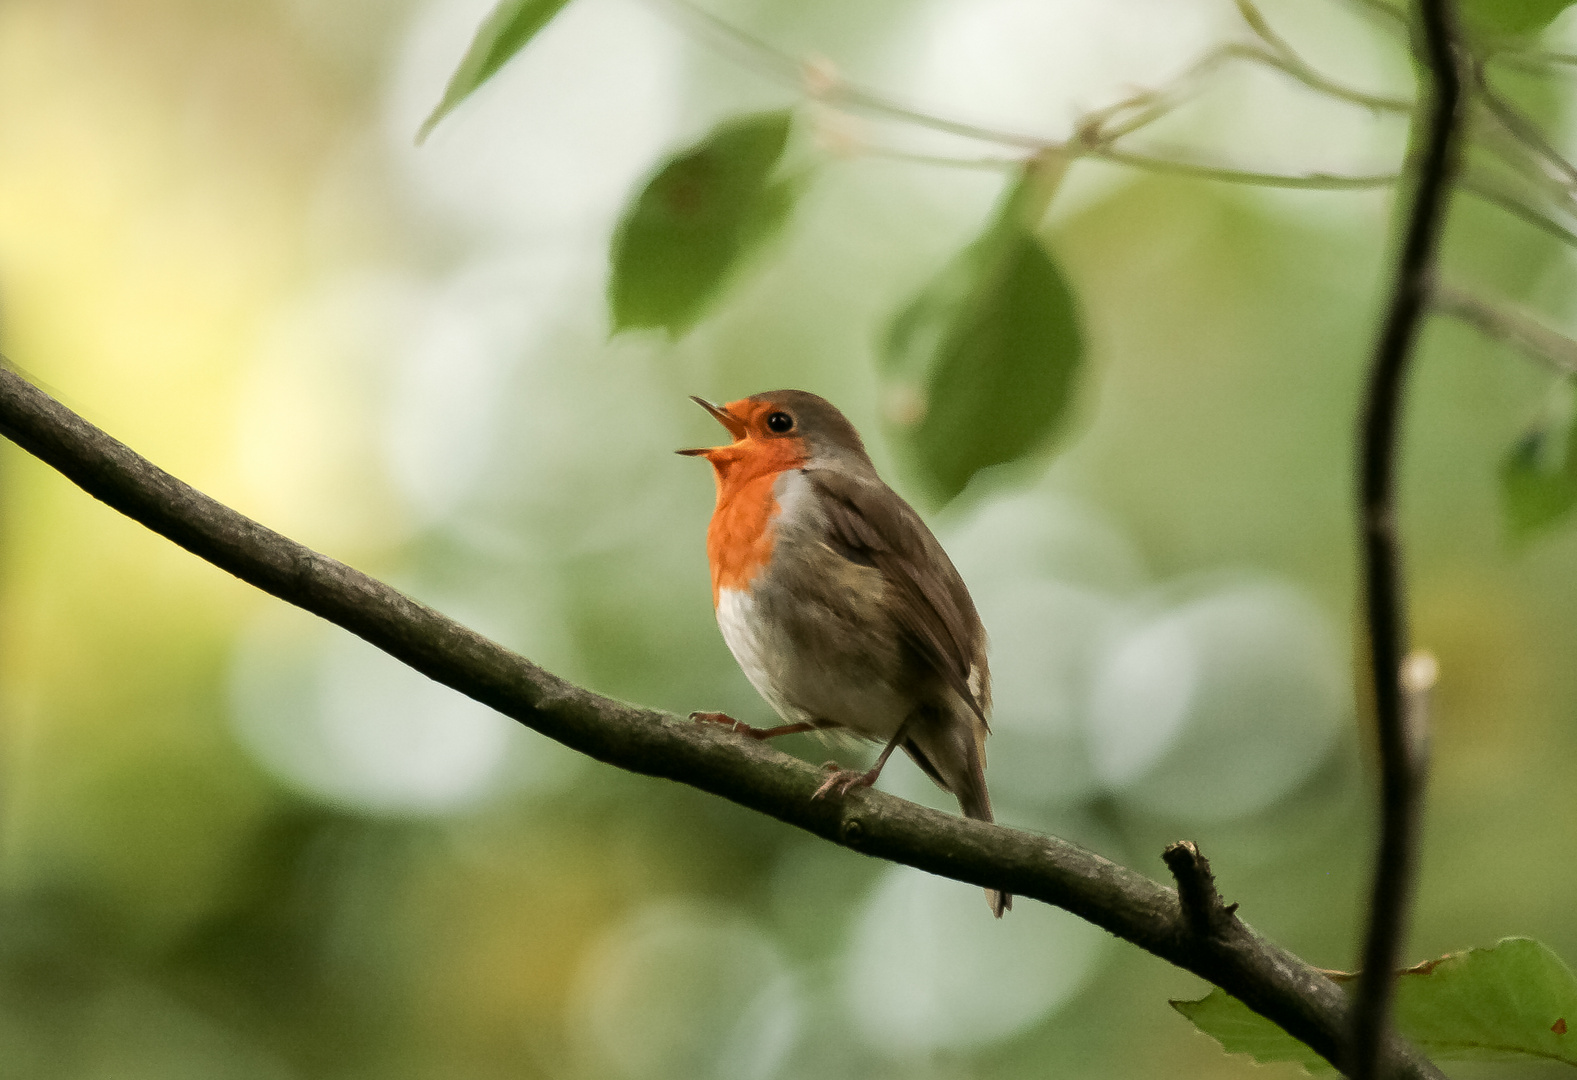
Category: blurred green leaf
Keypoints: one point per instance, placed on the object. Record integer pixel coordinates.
(1538, 478)
(1514, 16)
(995, 343)
(1241, 1030)
(1513, 1001)
(705, 210)
(508, 28)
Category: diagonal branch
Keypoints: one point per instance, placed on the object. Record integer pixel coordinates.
(1503, 200)
(1304, 182)
(1267, 978)
(1511, 325)
(1403, 756)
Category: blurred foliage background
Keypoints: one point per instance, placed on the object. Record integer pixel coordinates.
(235, 842)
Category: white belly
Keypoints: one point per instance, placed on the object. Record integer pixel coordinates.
(796, 691)
(736, 617)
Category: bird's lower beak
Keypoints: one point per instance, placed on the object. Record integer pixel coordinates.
(735, 426)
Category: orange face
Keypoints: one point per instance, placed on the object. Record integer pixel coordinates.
(766, 441)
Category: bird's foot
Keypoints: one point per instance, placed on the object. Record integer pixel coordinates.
(723, 718)
(762, 733)
(842, 781)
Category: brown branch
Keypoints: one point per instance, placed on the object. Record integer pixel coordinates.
(1402, 756)
(1267, 978)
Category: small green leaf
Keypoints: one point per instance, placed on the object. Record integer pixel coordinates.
(1538, 477)
(1241, 1030)
(995, 343)
(1511, 1002)
(1514, 16)
(692, 225)
(508, 28)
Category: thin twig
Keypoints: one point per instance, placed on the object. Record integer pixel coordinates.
(1500, 199)
(1095, 134)
(1491, 133)
(1522, 128)
(1147, 163)
(999, 163)
(1100, 128)
(760, 55)
(1151, 105)
(1308, 181)
(1268, 979)
(1288, 60)
(1514, 327)
(1402, 766)
(1534, 60)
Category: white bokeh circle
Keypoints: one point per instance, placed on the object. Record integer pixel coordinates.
(1215, 706)
(340, 721)
(685, 990)
(928, 969)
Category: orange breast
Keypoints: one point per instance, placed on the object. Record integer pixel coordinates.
(739, 539)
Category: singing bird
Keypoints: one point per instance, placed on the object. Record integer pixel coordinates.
(841, 607)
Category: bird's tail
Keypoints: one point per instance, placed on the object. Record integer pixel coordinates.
(958, 765)
(975, 801)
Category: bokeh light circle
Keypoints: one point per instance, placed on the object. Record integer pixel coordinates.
(342, 722)
(929, 969)
(683, 990)
(1215, 706)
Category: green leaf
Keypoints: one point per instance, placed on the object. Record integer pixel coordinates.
(695, 221)
(1511, 1002)
(508, 28)
(1514, 16)
(1241, 1030)
(981, 364)
(1538, 477)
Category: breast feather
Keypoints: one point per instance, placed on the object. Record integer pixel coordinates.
(741, 624)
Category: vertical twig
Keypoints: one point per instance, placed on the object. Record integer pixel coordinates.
(1397, 712)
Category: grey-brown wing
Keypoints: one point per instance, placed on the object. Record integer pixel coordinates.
(869, 524)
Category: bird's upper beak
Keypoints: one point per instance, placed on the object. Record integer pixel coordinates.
(735, 426)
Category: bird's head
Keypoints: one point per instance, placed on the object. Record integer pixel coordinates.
(781, 429)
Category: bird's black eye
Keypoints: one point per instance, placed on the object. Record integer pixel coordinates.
(780, 423)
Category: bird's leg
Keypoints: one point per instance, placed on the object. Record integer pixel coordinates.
(720, 718)
(759, 733)
(842, 781)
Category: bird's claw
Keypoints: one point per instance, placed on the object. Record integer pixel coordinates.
(721, 718)
(843, 781)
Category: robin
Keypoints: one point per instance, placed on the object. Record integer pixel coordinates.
(841, 607)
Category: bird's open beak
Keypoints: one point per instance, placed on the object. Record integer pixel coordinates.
(735, 426)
